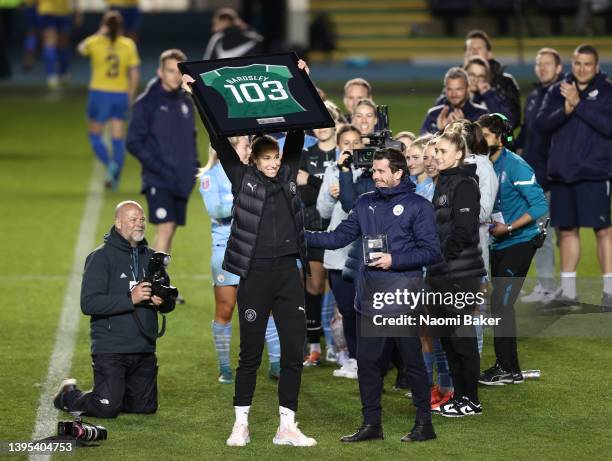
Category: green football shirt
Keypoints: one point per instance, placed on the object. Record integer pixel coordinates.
(258, 90)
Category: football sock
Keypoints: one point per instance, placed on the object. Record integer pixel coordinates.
(327, 313)
(99, 148)
(50, 59)
(222, 335)
(568, 284)
(30, 44)
(242, 414)
(272, 341)
(444, 378)
(607, 283)
(64, 55)
(118, 155)
(287, 416)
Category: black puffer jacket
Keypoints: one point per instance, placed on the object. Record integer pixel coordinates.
(268, 220)
(457, 203)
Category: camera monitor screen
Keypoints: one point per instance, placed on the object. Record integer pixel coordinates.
(255, 94)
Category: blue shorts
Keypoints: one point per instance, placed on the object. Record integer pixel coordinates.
(164, 206)
(32, 18)
(59, 23)
(132, 19)
(221, 277)
(104, 105)
(582, 204)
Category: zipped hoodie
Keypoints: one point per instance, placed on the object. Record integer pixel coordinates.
(105, 297)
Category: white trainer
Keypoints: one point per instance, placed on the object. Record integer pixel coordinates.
(348, 370)
(240, 436)
(290, 434)
(538, 295)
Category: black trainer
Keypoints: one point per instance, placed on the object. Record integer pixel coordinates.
(460, 407)
(495, 376)
(365, 432)
(422, 430)
(517, 377)
(65, 386)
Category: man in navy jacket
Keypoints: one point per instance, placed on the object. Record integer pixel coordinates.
(456, 105)
(409, 224)
(162, 137)
(533, 145)
(577, 114)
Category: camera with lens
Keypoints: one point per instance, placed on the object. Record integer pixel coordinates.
(81, 430)
(382, 138)
(159, 279)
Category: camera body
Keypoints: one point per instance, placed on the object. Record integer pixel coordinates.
(382, 138)
(159, 279)
(81, 430)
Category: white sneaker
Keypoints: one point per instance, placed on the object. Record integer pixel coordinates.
(331, 356)
(343, 357)
(348, 370)
(240, 436)
(291, 435)
(539, 295)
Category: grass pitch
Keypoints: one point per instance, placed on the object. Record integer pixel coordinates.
(45, 164)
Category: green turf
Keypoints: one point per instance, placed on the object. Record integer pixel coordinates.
(45, 164)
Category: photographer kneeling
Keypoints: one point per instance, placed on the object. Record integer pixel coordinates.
(123, 312)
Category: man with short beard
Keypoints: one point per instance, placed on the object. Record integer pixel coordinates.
(123, 324)
(455, 106)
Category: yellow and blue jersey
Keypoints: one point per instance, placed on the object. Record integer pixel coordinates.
(110, 62)
(56, 7)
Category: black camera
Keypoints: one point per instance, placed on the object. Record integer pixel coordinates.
(159, 279)
(81, 430)
(382, 138)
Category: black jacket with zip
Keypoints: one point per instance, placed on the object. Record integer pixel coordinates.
(268, 218)
(105, 296)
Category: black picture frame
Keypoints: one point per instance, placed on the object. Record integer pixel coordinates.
(301, 95)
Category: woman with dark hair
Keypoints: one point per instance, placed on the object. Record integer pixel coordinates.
(515, 235)
(114, 81)
(457, 203)
(266, 239)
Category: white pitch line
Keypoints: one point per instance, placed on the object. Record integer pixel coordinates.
(61, 358)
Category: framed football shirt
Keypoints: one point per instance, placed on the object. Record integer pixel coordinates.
(255, 94)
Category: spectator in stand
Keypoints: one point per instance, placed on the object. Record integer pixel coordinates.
(577, 114)
(533, 145)
(232, 37)
(455, 106)
(355, 90)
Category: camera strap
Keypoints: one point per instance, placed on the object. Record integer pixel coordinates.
(149, 338)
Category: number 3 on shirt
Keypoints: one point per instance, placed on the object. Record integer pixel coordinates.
(112, 61)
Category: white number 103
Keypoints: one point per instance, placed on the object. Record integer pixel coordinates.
(276, 92)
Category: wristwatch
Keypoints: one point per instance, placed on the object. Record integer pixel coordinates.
(509, 227)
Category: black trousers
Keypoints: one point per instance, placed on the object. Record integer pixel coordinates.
(272, 285)
(373, 359)
(459, 342)
(509, 267)
(344, 293)
(122, 383)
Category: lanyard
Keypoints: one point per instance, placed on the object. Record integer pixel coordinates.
(501, 161)
(134, 264)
